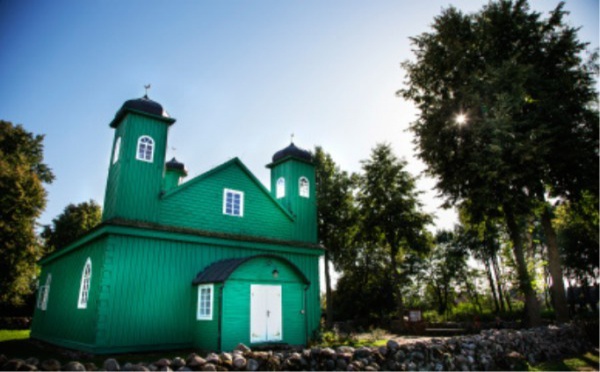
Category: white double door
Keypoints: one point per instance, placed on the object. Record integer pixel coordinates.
(265, 313)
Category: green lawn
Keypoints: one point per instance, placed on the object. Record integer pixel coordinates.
(585, 362)
(7, 335)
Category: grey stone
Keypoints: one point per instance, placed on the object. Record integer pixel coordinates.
(212, 358)
(163, 362)
(393, 345)
(50, 365)
(111, 364)
(239, 362)
(73, 366)
(243, 348)
(209, 367)
(252, 365)
(195, 361)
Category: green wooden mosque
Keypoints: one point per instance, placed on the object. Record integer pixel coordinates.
(208, 263)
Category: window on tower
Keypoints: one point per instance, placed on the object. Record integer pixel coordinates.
(303, 187)
(145, 149)
(117, 150)
(280, 188)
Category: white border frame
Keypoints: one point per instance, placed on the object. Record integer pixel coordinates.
(241, 193)
(212, 302)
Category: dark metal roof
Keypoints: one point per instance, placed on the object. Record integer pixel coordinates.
(173, 164)
(219, 271)
(292, 151)
(145, 105)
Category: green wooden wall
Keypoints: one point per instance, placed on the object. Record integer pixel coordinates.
(133, 186)
(146, 297)
(236, 302)
(62, 322)
(199, 205)
(303, 209)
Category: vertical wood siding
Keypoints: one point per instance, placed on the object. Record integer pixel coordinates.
(62, 322)
(133, 186)
(148, 300)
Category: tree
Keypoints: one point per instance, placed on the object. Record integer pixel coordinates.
(22, 200)
(577, 225)
(390, 211)
(446, 264)
(506, 117)
(71, 224)
(337, 218)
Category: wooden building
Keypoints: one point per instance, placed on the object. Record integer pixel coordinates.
(208, 263)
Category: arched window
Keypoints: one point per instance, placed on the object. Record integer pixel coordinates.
(117, 150)
(43, 293)
(145, 149)
(280, 190)
(303, 187)
(84, 288)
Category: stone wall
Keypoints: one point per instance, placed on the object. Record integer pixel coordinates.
(489, 350)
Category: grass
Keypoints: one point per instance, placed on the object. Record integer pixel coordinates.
(586, 362)
(7, 334)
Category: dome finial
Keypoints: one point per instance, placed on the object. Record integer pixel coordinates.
(292, 138)
(147, 87)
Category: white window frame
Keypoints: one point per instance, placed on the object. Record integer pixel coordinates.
(141, 151)
(226, 192)
(43, 293)
(84, 287)
(280, 188)
(304, 190)
(117, 150)
(203, 303)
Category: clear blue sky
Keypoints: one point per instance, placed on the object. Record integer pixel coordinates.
(239, 77)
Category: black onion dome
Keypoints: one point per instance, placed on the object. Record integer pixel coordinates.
(173, 164)
(294, 152)
(145, 105)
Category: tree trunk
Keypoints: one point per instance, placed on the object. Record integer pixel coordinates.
(328, 296)
(502, 295)
(559, 298)
(532, 306)
(488, 271)
(396, 286)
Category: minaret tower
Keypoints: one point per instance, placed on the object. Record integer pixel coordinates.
(135, 173)
(293, 185)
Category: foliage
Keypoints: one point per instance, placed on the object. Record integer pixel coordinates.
(71, 224)
(391, 217)
(577, 225)
(336, 215)
(445, 268)
(523, 96)
(22, 200)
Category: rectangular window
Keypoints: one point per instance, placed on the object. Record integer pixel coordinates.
(233, 203)
(205, 302)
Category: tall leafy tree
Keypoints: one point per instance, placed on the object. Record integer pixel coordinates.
(337, 217)
(506, 116)
(446, 264)
(71, 224)
(391, 213)
(22, 200)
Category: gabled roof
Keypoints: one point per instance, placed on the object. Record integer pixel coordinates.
(233, 162)
(220, 271)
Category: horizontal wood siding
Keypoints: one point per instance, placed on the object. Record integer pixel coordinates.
(63, 323)
(200, 206)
